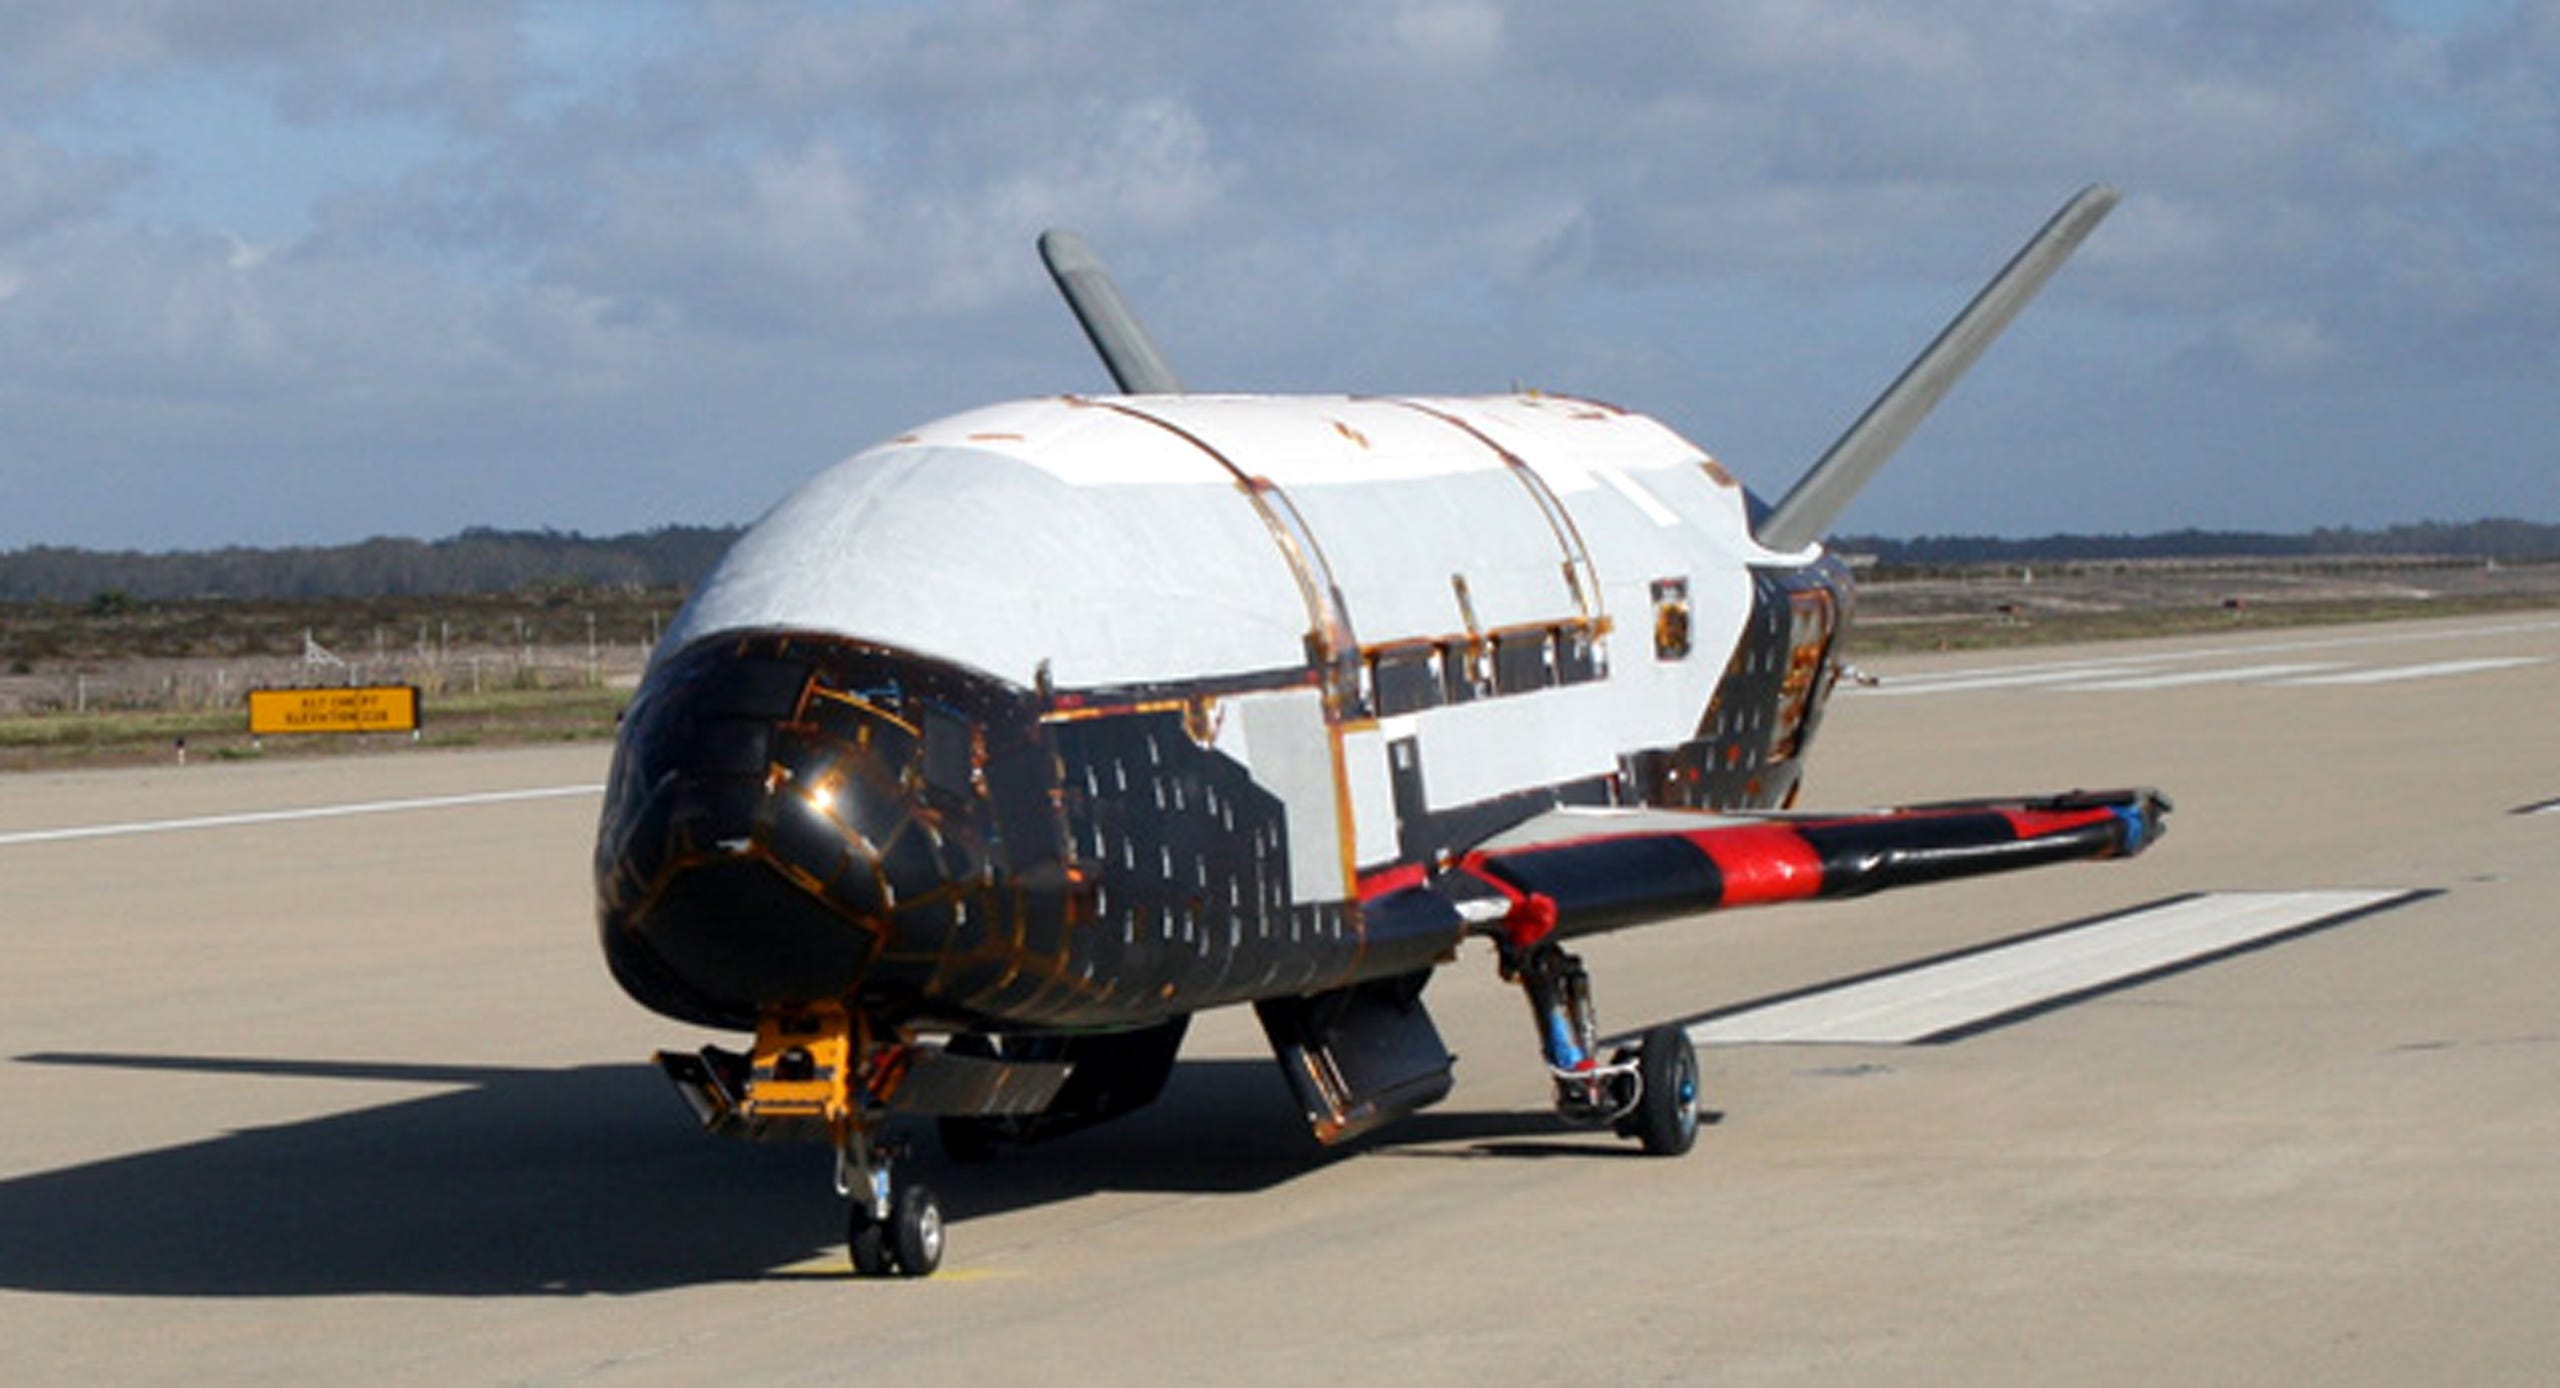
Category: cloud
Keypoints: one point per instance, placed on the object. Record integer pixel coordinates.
(1460, 38)
(60, 50)
(2276, 345)
(673, 254)
(43, 187)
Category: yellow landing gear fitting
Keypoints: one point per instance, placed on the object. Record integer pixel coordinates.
(824, 1073)
(820, 1072)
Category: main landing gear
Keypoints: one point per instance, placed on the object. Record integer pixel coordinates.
(1648, 1092)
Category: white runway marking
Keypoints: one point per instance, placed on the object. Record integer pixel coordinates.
(1937, 1000)
(226, 821)
(2014, 679)
(2383, 638)
(2075, 675)
(2390, 673)
(2237, 675)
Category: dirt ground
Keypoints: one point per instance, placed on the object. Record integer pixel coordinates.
(2039, 604)
(133, 685)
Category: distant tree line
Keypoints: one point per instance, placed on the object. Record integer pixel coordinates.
(2511, 540)
(482, 560)
(478, 560)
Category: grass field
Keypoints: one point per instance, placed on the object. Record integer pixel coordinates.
(125, 738)
(118, 682)
(1992, 606)
(124, 684)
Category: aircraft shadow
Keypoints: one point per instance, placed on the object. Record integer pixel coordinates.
(583, 1180)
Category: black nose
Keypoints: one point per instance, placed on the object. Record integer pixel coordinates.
(794, 820)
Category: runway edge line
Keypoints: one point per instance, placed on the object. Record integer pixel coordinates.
(227, 821)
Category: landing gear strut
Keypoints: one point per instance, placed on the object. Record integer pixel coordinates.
(820, 1072)
(889, 1228)
(1648, 1092)
(824, 1064)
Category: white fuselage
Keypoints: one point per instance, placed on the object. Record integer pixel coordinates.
(1149, 545)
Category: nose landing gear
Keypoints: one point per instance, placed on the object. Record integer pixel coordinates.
(818, 1072)
(889, 1228)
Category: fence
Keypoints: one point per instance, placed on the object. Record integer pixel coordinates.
(204, 684)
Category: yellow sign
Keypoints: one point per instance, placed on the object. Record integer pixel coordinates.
(387, 708)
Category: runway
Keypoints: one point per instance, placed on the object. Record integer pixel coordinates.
(311, 1073)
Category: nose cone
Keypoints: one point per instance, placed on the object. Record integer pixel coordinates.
(790, 820)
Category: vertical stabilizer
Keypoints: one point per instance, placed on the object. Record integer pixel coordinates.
(1127, 352)
(1817, 499)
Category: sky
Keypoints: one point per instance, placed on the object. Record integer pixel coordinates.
(298, 271)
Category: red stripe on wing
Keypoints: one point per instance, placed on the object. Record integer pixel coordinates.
(1391, 879)
(1761, 863)
(2036, 824)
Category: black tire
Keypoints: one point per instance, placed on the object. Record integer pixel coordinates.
(867, 1241)
(916, 1230)
(1666, 1116)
